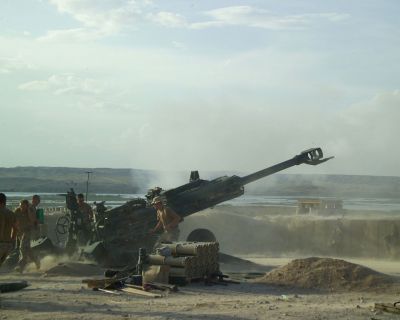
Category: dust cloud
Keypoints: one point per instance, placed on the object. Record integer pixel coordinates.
(165, 180)
(279, 232)
(64, 265)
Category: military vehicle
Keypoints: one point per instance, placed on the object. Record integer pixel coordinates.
(120, 232)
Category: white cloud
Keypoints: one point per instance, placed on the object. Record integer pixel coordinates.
(331, 16)
(179, 45)
(64, 84)
(11, 64)
(36, 85)
(102, 14)
(259, 18)
(68, 35)
(99, 18)
(168, 19)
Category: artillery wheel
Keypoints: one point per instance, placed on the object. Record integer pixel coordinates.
(62, 225)
(201, 235)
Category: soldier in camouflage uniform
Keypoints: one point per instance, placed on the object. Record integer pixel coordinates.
(26, 224)
(87, 218)
(8, 230)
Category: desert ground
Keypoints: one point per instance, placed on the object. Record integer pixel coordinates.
(62, 295)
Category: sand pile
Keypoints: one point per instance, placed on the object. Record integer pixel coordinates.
(327, 274)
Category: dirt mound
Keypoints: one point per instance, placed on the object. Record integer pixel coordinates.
(74, 269)
(327, 274)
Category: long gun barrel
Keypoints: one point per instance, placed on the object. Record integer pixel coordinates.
(200, 194)
(312, 156)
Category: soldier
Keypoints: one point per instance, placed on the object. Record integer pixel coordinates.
(8, 230)
(168, 220)
(26, 222)
(87, 218)
(35, 202)
(32, 214)
(85, 209)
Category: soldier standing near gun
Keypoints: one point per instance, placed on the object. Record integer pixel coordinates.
(168, 220)
(35, 203)
(8, 230)
(85, 209)
(86, 215)
(32, 213)
(26, 224)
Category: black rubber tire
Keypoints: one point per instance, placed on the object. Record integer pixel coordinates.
(201, 235)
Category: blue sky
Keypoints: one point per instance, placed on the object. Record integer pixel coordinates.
(213, 85)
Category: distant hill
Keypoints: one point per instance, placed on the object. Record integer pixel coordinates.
(106, 180)
(59, 179)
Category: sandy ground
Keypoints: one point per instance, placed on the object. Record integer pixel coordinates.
(65, 297)
(62, 297)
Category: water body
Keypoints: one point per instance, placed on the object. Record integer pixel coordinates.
(114, 200)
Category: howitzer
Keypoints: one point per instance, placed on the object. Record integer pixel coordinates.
(125, 229)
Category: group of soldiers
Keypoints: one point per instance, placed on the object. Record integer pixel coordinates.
(17, 229)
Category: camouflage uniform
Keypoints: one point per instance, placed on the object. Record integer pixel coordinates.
(26, 226)
(35, 233)
(87, 218)
(87, 213)
(7, 224)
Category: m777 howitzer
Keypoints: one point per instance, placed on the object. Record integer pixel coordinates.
(123, 230)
